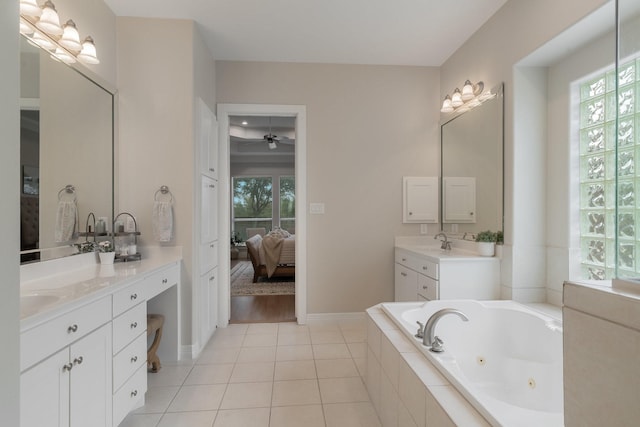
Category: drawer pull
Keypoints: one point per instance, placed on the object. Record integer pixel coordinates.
(134, 393)
(425, 287)
(165, 280)
(67, 367)
(78, 360)
(212, 186)
(72, 328)
(212, 278)
(213, 245)
(134, 359)
(134, 297)
(404, 259)
(212, 170)
(424, 267)
(134, 325)
(403, 274)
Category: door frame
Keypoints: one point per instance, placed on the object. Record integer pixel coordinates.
(224, 212)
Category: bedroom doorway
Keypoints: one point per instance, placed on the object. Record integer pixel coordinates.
(264, 150)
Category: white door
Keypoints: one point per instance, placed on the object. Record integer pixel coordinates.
(459, 199)
(420, 199)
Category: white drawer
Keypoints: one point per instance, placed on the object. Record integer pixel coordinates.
(130, 395)
(427, 287)
(127, 362)
(417, 263)
(162, 280)
(38, 343)
(208, 256)
(126, 298)
(128, 326)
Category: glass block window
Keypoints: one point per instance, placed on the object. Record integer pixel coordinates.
(599, 138)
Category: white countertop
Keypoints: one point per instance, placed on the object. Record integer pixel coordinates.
(50, 288)
(427, 246)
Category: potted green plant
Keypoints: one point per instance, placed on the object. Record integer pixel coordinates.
(235, 240)
(106, 251)
(486, 243)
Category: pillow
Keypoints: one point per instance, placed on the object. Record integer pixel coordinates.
(280, 233)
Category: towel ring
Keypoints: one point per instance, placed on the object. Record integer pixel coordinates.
(163, 190)
(69, 189)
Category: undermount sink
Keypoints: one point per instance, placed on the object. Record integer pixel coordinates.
(32, 303)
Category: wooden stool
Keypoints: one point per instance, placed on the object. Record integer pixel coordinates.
(154, 324)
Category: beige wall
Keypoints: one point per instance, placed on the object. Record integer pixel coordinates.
(9, 213)
(489, 57)
(367, 126)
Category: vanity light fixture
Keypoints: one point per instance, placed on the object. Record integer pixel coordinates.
(471, 96)
(41, 27)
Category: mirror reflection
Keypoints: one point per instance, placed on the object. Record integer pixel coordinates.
(472, 169)
(66, 154)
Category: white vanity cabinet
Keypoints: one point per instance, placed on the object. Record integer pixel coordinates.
(420, 277)
(71, 385)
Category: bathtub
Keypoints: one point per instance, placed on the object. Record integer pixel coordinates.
(506, 360)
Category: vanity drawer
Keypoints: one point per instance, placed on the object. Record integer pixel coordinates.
(127, 362)
(417, 263)
(38, 343)
(427, 287)
(162, 280)
(130, 396)
(208, 256)
(128, 326)
(128, 297)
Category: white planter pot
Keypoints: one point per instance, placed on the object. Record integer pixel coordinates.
(486, 248)
(106, 257)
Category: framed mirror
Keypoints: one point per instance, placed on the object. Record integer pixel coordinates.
(66, 154)
(472, 168)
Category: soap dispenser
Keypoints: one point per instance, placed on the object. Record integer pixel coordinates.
(101, 226)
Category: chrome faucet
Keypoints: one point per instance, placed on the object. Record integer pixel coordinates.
(446, 244)
(429, 339)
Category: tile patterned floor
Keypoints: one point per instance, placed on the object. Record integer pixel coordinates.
(266, 374)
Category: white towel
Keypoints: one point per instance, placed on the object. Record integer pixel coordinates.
(162, 221)
(66, 218)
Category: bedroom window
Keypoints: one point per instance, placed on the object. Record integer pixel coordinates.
(252, 204)
(288, 203)
(598, 173)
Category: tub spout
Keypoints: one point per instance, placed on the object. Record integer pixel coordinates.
(429, 339)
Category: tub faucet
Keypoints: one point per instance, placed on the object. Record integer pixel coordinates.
(446, 244)
(429, 339)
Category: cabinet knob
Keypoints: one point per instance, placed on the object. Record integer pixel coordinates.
(78, 360)
(471, 213)
(134, 325)
(404, 259)
(67, 367)
(410, 213)
(425, 287)
(212, 278)
(134, 297)
(212, 169)
(165, 280)
(403, 274)
(134, 393)
(213, 245)
(72, 328)
(212, 186)
(134, 359)
(425, 268)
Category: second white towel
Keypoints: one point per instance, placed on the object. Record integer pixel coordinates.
(66, 216)
(162, 221)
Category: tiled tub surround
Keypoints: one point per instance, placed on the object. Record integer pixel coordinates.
(407, 388)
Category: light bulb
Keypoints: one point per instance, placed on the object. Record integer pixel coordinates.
(456, 98)
(49, 20)
(70, 37)
(88, 54)
(446, 105)
(467, 91)
(30, 8)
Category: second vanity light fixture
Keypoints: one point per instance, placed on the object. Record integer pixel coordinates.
(471, 96)
(41, 26)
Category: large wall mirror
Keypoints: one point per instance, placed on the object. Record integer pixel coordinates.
(66, 154)
(472, 168)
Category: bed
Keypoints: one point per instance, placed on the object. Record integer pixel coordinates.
(273, 255)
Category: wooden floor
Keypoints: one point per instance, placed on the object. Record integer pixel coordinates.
(263, 308)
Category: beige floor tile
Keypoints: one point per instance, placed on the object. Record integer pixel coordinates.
(343, 390)
(326, 337)
(141, 420)
(351, 415)
(295, 338)
(253, 417)
(198, 398)
(247, 395)
(210, 374)
(331, 351)
(358, 350)
(259, 340)
(324, 326)
(252, 372)
(336, 368)
(361, 364)
(291, 328)
(295, 392)
(360, 323)
(294, 352)
(263, 328)
(257, 354)
(168, 375)
(157, 400)
(296, 416)
(225, 341)
(188, 419)
(211, 356)
(354, 335)
(295, 370)
(233, 329)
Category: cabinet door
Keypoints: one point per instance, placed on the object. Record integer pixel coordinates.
(90, 389)
(459, 199)
(213, 300)
(44, 392)
(208, 305)
(208, 210)
(406, 282)
(213, 149)
(420, 199)
(206, 138)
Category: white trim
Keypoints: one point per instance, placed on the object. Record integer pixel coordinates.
(187, 352)
(318, 317)
(300, 113)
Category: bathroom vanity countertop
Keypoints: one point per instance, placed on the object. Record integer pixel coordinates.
(51, 288)
(436, 254)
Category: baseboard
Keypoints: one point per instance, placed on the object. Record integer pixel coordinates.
(186, 352)
(314, 317)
